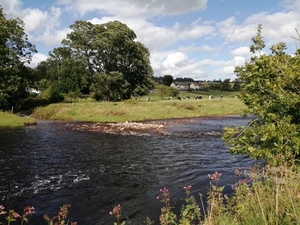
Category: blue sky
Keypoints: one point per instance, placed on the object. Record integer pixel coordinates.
(200, 39)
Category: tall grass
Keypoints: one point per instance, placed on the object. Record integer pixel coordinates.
(269, 197)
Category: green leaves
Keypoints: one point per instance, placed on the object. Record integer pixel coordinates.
(14, 51)
(109, 49)
(270, 89)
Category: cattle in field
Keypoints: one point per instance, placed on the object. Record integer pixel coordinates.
(211, 97)
(178, 98)
(198, 97)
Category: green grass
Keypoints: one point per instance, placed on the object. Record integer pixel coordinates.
(270, 196)
(11, 120)
(139, 110)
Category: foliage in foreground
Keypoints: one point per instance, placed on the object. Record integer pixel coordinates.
(268, 196)
(271, 91)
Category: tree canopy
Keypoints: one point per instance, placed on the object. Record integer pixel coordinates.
(271, 90)
(15, 50)
(110, 55)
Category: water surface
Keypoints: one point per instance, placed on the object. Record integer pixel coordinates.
(49, 165)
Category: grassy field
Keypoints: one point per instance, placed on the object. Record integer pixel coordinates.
(141, 109)
(11, 120)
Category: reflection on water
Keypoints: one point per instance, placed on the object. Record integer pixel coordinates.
(49, 165)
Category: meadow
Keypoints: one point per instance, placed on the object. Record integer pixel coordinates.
(151, 107)
(8, 119)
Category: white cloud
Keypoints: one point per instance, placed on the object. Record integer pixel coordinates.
(34, 18)
(52, 37)
(227, 70)
(36, 59)
(174, 60)
(135, 8)
(11, 7)
(241, 51)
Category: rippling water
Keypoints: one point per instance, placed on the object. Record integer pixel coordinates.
(49, 165)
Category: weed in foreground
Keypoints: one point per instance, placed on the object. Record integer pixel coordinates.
(61, 218)
(267, 196)
(13, 216)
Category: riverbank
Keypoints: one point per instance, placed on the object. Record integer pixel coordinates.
(140, 110)
(131, 110)
(8, 119)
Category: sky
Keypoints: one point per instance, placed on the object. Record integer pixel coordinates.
(199, 39)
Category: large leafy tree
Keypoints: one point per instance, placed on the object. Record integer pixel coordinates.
(65, 71)
(15, 50)
(110, 50)
(167, 80)
(271, 90)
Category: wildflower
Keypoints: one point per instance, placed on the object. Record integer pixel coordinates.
(216, 176)
(116, 211)
(187, 188)
(63, 211)
(29, 210)
(165, 191)
(2, 212)
(14, 214)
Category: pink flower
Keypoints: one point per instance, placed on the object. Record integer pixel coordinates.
(29, 210)
(15, 215)
(216, 176)
(2, 212)
(116, 211)
(187, 188)
(165, 191)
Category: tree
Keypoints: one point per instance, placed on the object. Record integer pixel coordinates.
(15, 50)
(271, 90)
(167, 80)
(109, 49)
(165, 91)
(225, 85)
(236, 85)
(110, 87)
(66, 71)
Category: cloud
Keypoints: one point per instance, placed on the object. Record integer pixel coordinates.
(52, 37)
(227, 70)
(241, 51)
(36, 59)
(135, 8)
(174, 60)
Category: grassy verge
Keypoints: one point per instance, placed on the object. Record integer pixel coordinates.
(11, 120)
(139, 110)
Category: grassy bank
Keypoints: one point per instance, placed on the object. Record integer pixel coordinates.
(11, 120)
(139, 110)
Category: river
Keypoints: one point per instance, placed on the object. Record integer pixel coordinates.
(48, 165)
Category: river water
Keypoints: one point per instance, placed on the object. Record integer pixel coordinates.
(48, 165)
